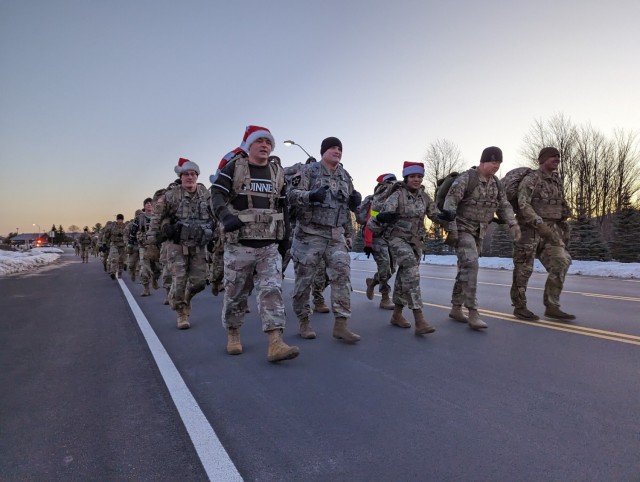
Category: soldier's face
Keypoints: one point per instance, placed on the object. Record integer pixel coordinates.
(260, 150)
(148, 208)
(332, 156)
(489, 168)
(189, 180)
(414, 181)
(552, 163)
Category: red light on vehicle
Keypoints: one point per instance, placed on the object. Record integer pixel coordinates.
(39, 242)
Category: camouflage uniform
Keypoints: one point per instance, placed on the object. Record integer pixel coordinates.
(133, 254)
(256, 195)
(85, 245)
(190, 216)
(320, 235)
(405, 238)
(380, 247)
(541, 199)
(115, 236)
(103, 244)
(148, 252)
(474, 212)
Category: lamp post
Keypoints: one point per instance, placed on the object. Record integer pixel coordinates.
(291, 143)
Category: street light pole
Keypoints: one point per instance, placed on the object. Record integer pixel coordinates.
(291, 143)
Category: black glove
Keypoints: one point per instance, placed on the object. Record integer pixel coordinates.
(231, 223)
(387, 217)
(447, 216)
(355, 198)
(105, 248)
(169, 231)
(368, 251)
(318, 194)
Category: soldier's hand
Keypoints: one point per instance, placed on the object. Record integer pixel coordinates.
(516, 233)
(231, 223)
(355, 198)
(446, 216)
(545, 231)
(452, 239)
(318, 194)
(387, 217)
(368, 251)
(349, 242)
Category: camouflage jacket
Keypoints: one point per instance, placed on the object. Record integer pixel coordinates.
(114, 234)
(541, 198)
(475, 211)
(412, 207)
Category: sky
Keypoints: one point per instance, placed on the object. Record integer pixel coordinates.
(98, 100)
(12, 262)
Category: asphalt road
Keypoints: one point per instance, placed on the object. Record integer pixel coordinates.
(83, 399)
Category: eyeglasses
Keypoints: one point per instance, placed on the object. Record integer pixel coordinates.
(190, 173)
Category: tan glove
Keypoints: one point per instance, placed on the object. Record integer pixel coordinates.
(516, 234)
(452, 239)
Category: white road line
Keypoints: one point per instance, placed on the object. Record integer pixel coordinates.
(212, 454)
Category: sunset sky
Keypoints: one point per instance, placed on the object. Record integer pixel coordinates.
(98, 100)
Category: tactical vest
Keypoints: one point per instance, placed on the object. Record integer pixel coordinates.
(473, 208)
(193, 215)
(333, 211)
(259, 224)
(409, 226)
(117, 235)
(85, 239)
(548, 199)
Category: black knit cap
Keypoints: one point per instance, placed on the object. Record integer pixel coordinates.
(328, 143)
(120, 216)
(546, 153)
(148, 200)
(491, 154)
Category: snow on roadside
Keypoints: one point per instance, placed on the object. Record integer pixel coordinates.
(19, 261)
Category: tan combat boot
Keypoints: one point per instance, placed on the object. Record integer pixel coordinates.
(557, 313)
(306, 331)
(321, 307)
(341, 332)
(397, 319)
(386, 303)
(371, 284)
(183, 319)
(278, 349)
(146, 291)
(474, 320)
(457, 314)
(422, 326)
(234, 346)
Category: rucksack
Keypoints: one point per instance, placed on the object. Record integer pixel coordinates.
(511, 181)
(443, 185)
(362, 211)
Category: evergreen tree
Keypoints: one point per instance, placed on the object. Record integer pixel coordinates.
(501, 243)
(60, 234)
(434, 241)
(625, 245)
(358, 242)
(586, 241)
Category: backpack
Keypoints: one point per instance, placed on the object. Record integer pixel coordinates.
(511, 181)
(362, 211)
(443, 185)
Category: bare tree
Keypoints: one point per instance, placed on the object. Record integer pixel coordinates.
(74, 229)
(626, 168)
(442, 157)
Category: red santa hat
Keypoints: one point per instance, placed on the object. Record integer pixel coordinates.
(412, 168)
(386, 177)
(185, 165)
(253, 133)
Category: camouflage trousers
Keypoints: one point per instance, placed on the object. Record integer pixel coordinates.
(553, 256)
(319, 284)
(150, 264)
(84, 252)
(248, 268)
(117, 257)
(216, 274)
(166, 272)
(307, 252)
(466, 284)
(133, 261)
(188, 269)
(384, 262)
(406, 290)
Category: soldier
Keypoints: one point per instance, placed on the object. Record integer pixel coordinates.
(379, 246)
(149, 254)
(248, 197)
(85, 244)
(115, 236)
(103, 242)
(403, 216)
(183, 215)
(133, 248)
(473, 199)
(323, 195)
(542, 215)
